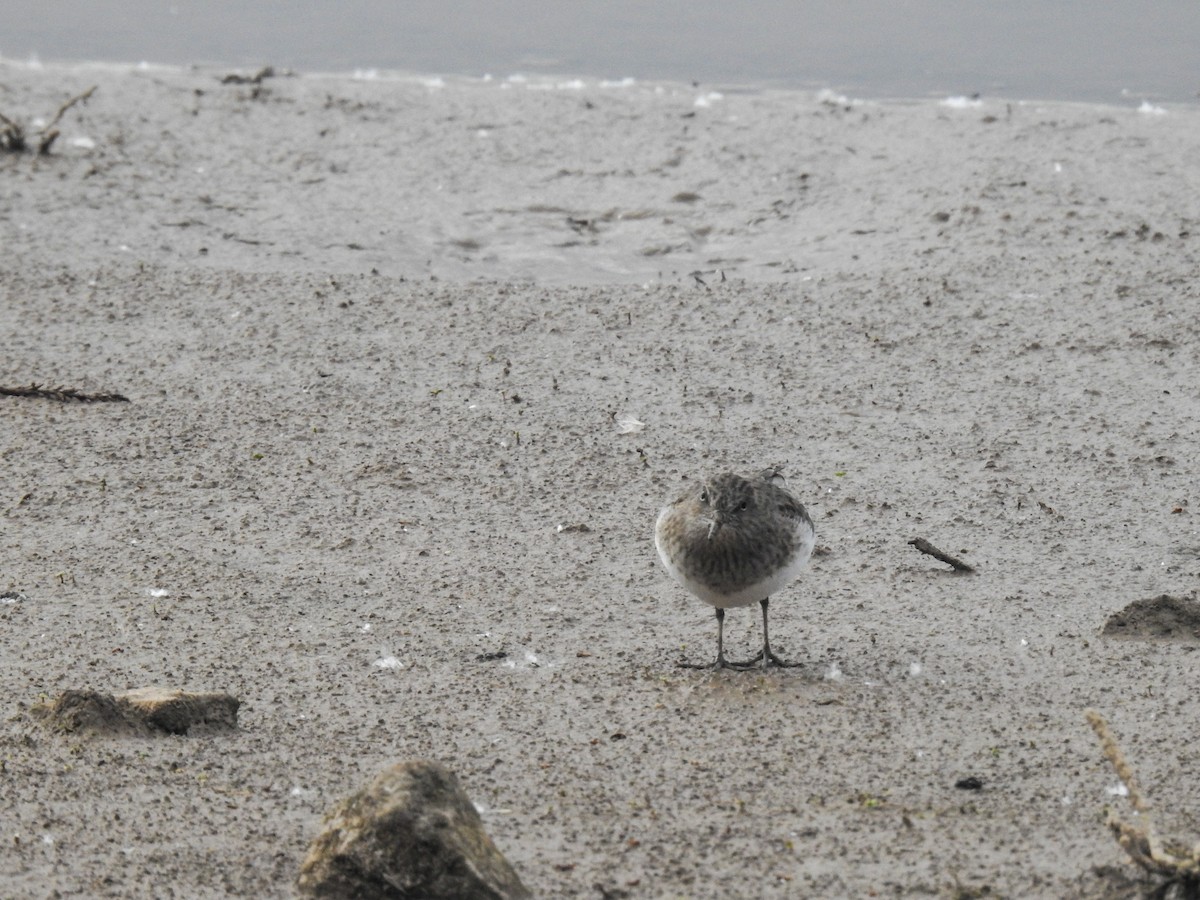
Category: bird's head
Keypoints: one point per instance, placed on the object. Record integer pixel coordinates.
(724, 499)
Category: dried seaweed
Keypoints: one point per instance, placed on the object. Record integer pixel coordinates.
(12, 136)
(63, 394)
(14, 140)
(257, 78)
(1177, 865)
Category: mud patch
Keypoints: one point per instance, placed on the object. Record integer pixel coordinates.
(1161, 618)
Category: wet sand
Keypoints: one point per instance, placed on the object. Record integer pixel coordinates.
(378, 338)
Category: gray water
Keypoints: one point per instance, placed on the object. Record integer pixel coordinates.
(1107, 50)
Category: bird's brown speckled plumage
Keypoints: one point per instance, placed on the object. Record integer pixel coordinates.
(733, 541)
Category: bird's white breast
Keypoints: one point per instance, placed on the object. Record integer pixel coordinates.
(751, 593)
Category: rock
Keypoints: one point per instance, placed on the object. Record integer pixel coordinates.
(178, 711)
(91, 711)
(411, 833)
(141, 712)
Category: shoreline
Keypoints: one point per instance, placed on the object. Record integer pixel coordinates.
(532, 80)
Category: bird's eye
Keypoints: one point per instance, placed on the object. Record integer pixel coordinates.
(704, 496)
(743, 506)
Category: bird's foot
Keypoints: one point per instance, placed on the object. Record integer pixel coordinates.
(720, 663)
(768, 659)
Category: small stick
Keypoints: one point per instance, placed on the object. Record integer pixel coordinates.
(50, 133)
(78, 98)
(12, 135)
(63, 394)
(925, 547)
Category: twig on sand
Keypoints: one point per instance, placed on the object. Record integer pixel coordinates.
(925, 547)
(50, 133)
(14, 140)
(1179, 865)
(63, 395)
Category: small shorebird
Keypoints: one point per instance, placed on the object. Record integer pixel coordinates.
(734, 541)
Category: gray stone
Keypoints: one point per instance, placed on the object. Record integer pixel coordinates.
(178, 712)
(411, 833)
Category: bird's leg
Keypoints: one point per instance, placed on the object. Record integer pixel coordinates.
(766, 655)
(720, 637)
(722, 662)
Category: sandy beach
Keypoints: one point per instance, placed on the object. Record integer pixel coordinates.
(413, 363)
